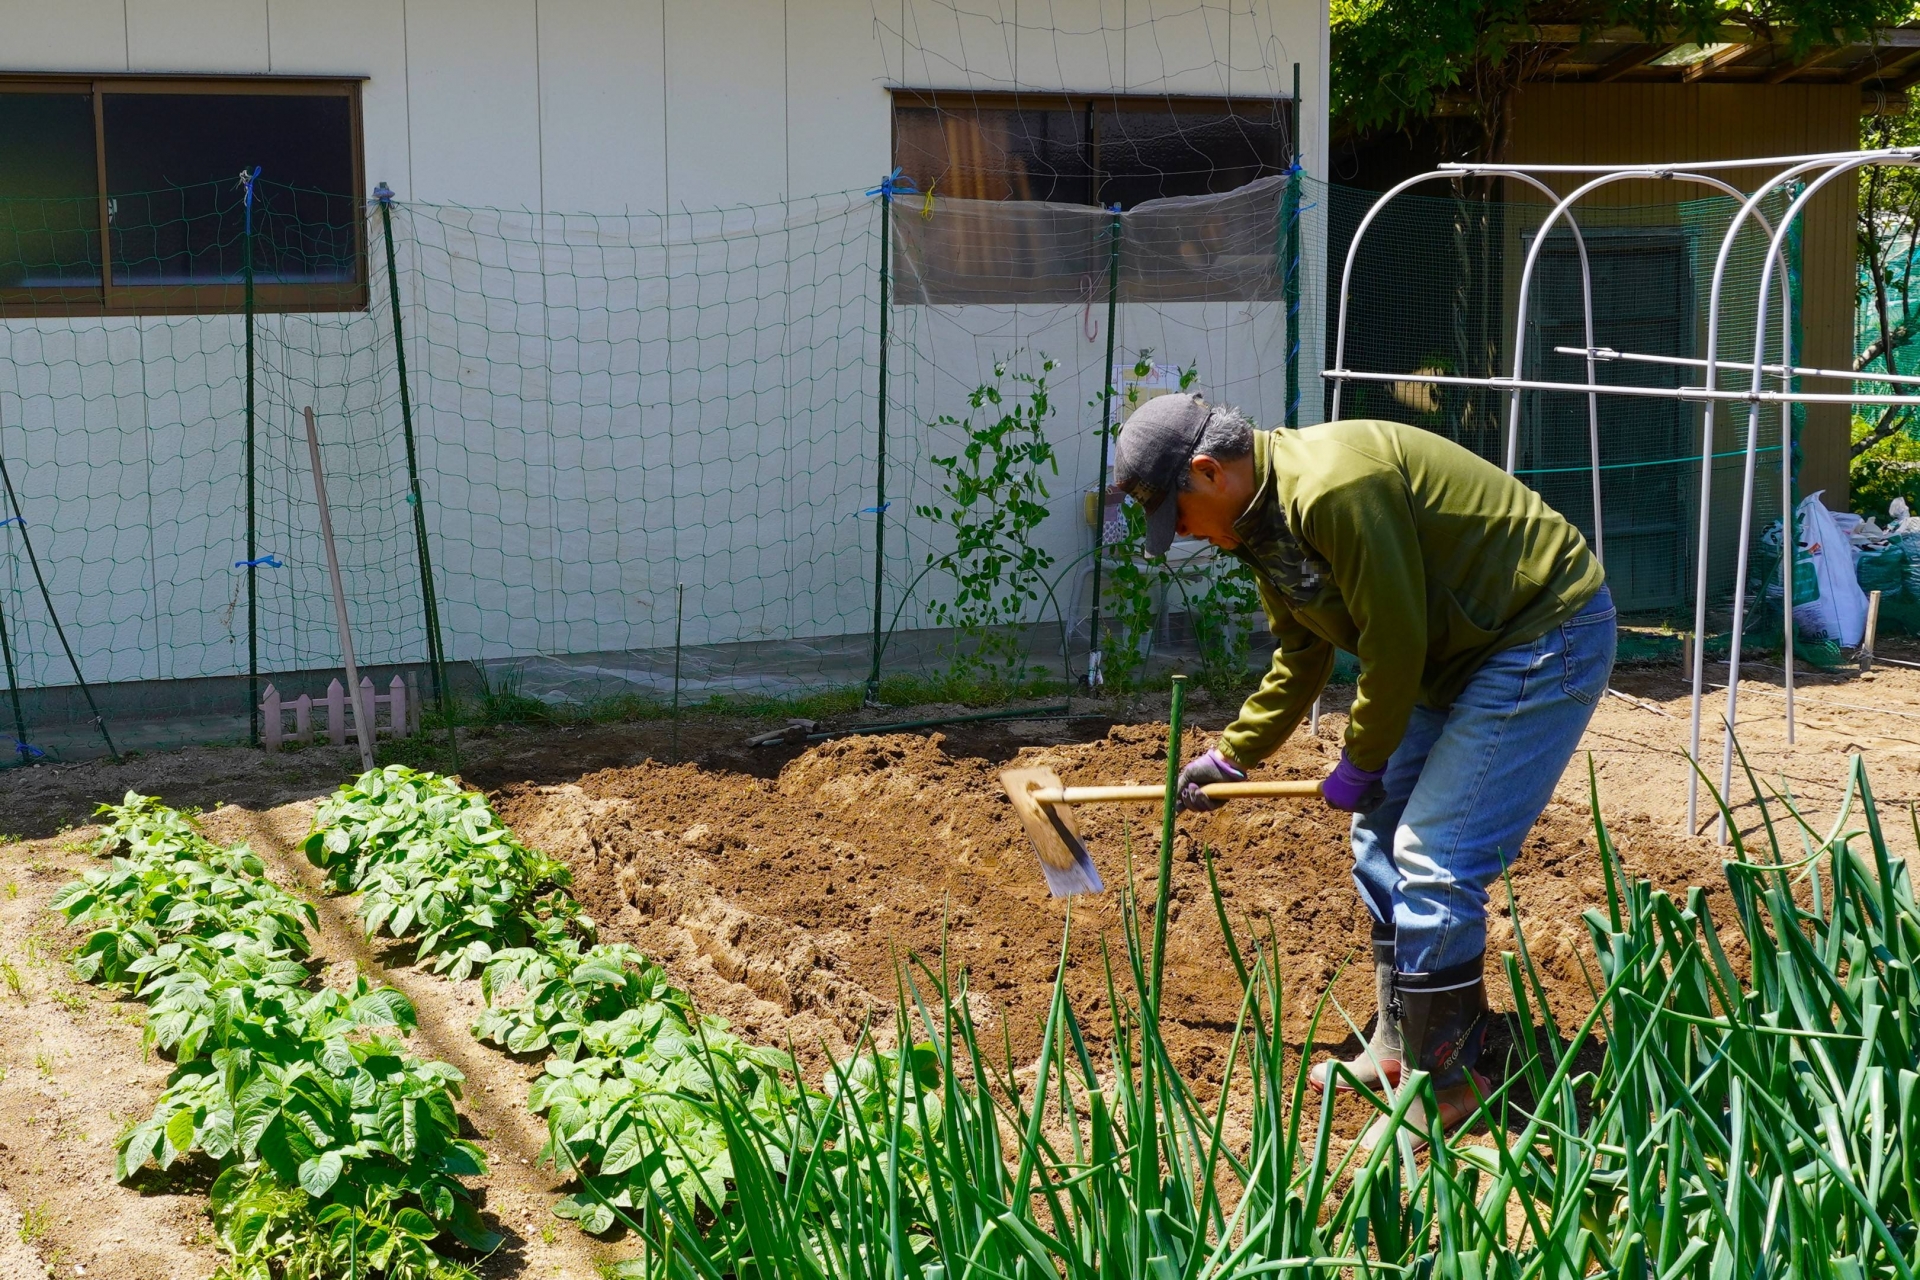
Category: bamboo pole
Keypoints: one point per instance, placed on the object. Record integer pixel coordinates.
(362, 730)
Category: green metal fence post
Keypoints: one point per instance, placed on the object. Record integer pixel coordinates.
(247, 180)
(1095, 677)
(1290, 281)
(436, 647)
(888, 185)
(1162, 891)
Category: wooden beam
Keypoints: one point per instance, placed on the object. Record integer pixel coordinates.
(1566, 33)
(1877, 67)
(1718, 61)
(1632, 60)
(1787, 68)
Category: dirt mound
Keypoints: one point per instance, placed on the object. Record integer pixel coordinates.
(790, 903)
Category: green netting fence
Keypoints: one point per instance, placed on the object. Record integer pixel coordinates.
(699, 452)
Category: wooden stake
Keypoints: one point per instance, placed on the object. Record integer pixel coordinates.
(1873, 627)
(362, 730)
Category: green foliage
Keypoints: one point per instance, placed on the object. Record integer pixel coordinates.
(432, 861)
(636, 1082)
(314, 1112)
(634, 1112)
(271, 1233)
(168, 884)
(1888, 470)
(308, 1089)
(545, 1000)
(994, 490)
(365, 821)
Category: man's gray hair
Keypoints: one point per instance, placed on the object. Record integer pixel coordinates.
(1227, 436)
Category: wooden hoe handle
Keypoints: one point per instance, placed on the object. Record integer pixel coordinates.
(1215, 791)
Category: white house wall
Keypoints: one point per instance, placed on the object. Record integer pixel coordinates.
(610, 403)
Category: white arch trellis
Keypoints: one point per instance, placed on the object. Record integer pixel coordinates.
(1811, 173)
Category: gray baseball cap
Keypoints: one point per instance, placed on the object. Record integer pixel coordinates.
(1154, 449)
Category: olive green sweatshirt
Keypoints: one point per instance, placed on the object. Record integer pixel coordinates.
(1402, 548)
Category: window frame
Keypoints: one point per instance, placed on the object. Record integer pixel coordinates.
(1085, 104)
(109, 299)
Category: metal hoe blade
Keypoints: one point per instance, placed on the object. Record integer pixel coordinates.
(1063, 858)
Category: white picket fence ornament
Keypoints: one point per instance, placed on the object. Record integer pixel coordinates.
(401, 702)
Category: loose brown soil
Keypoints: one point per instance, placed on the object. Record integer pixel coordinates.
(789, 888)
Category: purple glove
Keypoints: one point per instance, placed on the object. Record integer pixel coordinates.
(1209, 768)
(1352, 788)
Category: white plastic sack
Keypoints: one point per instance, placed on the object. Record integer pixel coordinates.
(1839, 612)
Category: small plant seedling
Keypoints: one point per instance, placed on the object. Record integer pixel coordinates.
(34, 1223)
(547, 1234)
(44, 1061)
(11, 976)
(7, 837)
(13, 889)
(71, 1001)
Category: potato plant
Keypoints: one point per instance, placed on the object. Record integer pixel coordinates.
(326, 1130)
(177, 887)
(434, 863)
(636, 1082)
(544, 1000)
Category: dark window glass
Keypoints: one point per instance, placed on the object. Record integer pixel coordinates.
(49, 192)
(1100, 152)
(992, 154)
(176, 205)
(1147, 155)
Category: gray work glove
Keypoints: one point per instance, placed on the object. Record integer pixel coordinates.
(1209, 768)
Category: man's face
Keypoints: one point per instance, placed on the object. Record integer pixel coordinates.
(1215, 498)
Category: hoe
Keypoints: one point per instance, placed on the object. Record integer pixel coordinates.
(1045, 809)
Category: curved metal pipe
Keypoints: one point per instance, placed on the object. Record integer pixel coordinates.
(1649, 173)
(1750, 208)
(1586, 298)
(1774, 250)
(1652, 173)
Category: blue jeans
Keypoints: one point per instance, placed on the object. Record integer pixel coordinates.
(1466, 784)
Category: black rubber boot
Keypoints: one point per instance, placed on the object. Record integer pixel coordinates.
(1381, 1057)
(1443, 1026)
(1443, 1019)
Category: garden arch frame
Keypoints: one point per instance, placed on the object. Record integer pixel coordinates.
(1814, 172)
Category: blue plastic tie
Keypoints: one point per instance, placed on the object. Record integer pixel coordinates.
(19, 520)
(247, 180)
(894, 184)
(874, 511)
(28, 751)
(383, 194)
(267, 561)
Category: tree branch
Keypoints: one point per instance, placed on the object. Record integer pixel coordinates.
(1892, 422)
(1900, 334)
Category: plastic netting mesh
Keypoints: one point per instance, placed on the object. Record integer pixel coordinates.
(632, 428)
